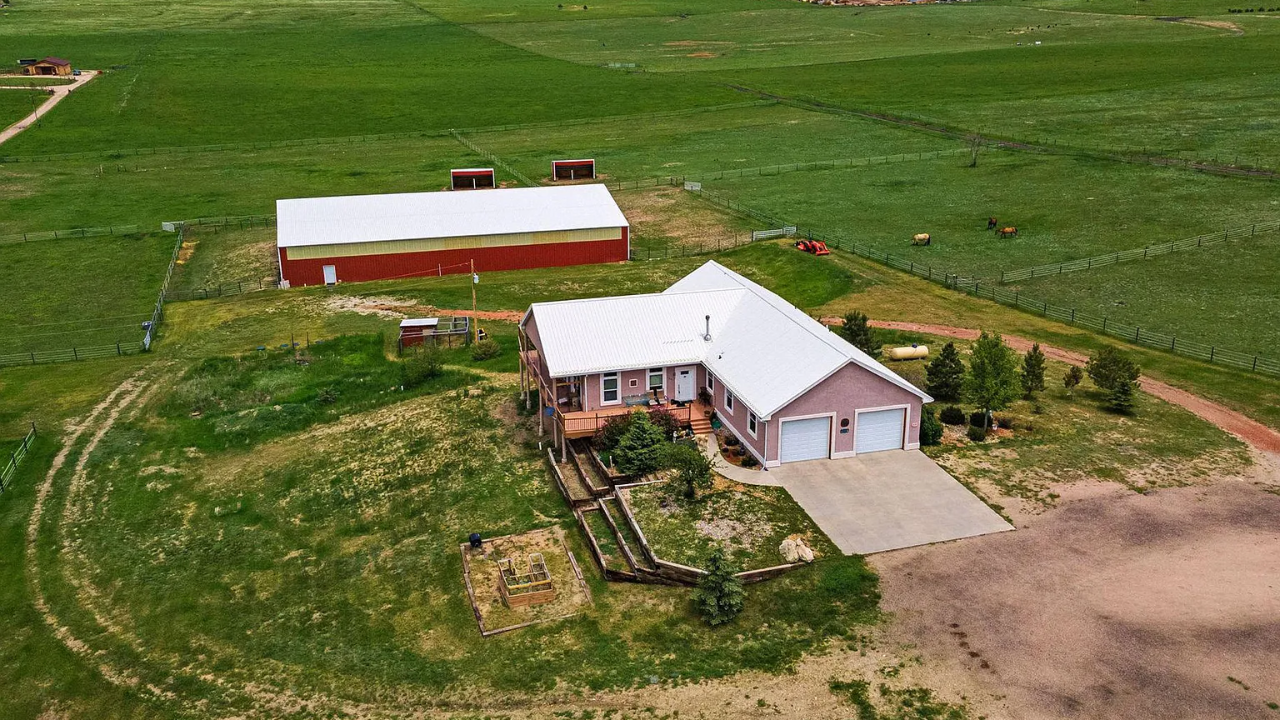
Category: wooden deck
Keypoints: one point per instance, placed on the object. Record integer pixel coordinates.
(586, 423)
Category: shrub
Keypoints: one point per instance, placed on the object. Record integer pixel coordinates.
(639, 450)
(945, 375)
(952, 415)
(719, 595)
(421, 366)
(1072, 378)
(1033, 372)
(978, 418)
(731, 440)
(1109, 368)
(749, 461)
(1007, 421)
(612, 430)
(859, 334)
(976, 433)
(693, 469)
(486, 349)
(1120, 398)
(930, 428)
(327, 395)
(666, 421)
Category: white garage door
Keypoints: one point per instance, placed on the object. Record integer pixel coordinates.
(805, 439)
(879, 430)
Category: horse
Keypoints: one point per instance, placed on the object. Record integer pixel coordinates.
(1008, 232)
(921, 239)
(992, 223)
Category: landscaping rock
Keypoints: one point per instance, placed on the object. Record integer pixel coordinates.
(790, 551)
(804, 551)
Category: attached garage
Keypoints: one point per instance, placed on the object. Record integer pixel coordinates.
(382, 237)
(878, 430)
(807, 439)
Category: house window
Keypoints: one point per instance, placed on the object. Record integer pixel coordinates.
(728, 400)
(711, 381)
(752, 421)
(657, 380)
(633, 383)
(609, 392)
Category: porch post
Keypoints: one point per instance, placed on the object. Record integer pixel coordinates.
(564, 446)
(541, 406)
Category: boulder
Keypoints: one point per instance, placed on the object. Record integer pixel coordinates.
(790, 551)
(803, 551)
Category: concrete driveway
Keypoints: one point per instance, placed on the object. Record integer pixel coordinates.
(886, 501)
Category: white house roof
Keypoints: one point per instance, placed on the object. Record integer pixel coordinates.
(427, 215)
(766, 351)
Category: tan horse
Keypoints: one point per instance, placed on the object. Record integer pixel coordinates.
(1008, 232)
(921, 239)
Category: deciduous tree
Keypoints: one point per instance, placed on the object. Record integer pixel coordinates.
(993, 381)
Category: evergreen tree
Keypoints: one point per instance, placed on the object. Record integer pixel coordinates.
(719, 595)
(859, 334)
(944, 375)
(1120, 398)
(930, 428)
(993, 381)
(638, 452)
(1033, 372)
(1072, 378)
(1109, 368)
(693, 469)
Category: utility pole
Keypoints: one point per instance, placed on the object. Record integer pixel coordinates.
(475, 280)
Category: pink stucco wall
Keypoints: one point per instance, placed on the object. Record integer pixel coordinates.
(848, 389)
(737, 420)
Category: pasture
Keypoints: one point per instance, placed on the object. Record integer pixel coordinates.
(59, 294)
(16, 104)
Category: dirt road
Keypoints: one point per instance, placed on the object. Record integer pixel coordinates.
(1247, 429)
(56, 95)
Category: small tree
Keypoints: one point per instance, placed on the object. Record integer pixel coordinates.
(993, 381)
(719, 595)
(930, 428)
(692, 468)
(1033, 372)
(638, 452)
(859, 334)
(975, 144)
(1072, 378)
(1109, 368)
(421, 366)
(1120, 398)
(944, 375)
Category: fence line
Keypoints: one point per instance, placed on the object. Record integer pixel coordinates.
(1142, 253)
(157, 316)
(494, 159)
(1210, 353)
(68, 234)
(15, 459)
(380, 137)
(1129, 155)
(769, 170)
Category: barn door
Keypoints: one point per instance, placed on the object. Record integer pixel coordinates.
(330, 275)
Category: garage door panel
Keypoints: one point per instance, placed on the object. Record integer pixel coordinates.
(808, 439)
(879, 430)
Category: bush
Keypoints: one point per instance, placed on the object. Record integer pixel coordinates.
(612, 430)
(693, 469)
(1072, 378)
(930, 428)
(859, 334)
(639, 450)
(719, 595)
(486, 349)
(978, 418)
(666, 421)
(945, 375)
(749, 461)
(730, 440)
(1109, 369)
(421, 366)
(976, 433)
(1007, 421)
(1120, 398)
(952, 415)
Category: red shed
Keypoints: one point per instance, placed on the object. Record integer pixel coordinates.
(381, 237)
(573, 169)
(471, 178)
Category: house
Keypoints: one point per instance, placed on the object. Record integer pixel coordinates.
(356, 238)
(47, 66)
(785, 385)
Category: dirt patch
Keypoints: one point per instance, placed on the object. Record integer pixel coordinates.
(1226, 25)
(397, 309)
(670, 213)
(484, 578)
(702, 55)
(1114, 605)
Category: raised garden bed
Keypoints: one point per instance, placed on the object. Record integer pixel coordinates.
(483, 576)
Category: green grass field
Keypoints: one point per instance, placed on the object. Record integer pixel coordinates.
(59, 294)
(17, 104)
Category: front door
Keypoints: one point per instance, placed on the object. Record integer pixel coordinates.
(685, 385)
(330, 275)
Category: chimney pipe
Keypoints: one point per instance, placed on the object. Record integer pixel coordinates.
(707, 335)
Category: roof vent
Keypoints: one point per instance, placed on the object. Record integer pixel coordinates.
(707, 335)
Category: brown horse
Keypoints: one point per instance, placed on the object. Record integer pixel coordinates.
(1008, 232)
(992, 223)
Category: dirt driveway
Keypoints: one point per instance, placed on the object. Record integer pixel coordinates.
(1115, 605)
(57, 93)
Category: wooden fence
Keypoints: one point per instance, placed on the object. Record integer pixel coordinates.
(1210, 353)
(16, 457)
(70, 234)
(1143, 253)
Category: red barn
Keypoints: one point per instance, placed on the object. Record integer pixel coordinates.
(381, 237)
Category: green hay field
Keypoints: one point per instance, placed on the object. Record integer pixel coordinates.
(17, 104)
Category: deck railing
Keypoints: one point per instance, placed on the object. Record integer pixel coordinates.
(583, 423)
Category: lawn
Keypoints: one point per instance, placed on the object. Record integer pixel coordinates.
(1064, 208)
(1224, 295)
(286, 538)
(17, 104)
(748, 522)
(799, 36)
(59, 294)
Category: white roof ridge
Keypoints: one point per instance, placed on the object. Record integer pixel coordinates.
(604, 298)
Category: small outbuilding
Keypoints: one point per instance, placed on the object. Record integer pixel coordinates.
(573, 169)
(324, 241)
(471, 178)
(47, 66)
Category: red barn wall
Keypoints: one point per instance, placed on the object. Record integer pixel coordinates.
(362, 268)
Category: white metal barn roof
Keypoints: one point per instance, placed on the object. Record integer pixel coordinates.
(420, 322)
(765, 350)
(427, 215)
